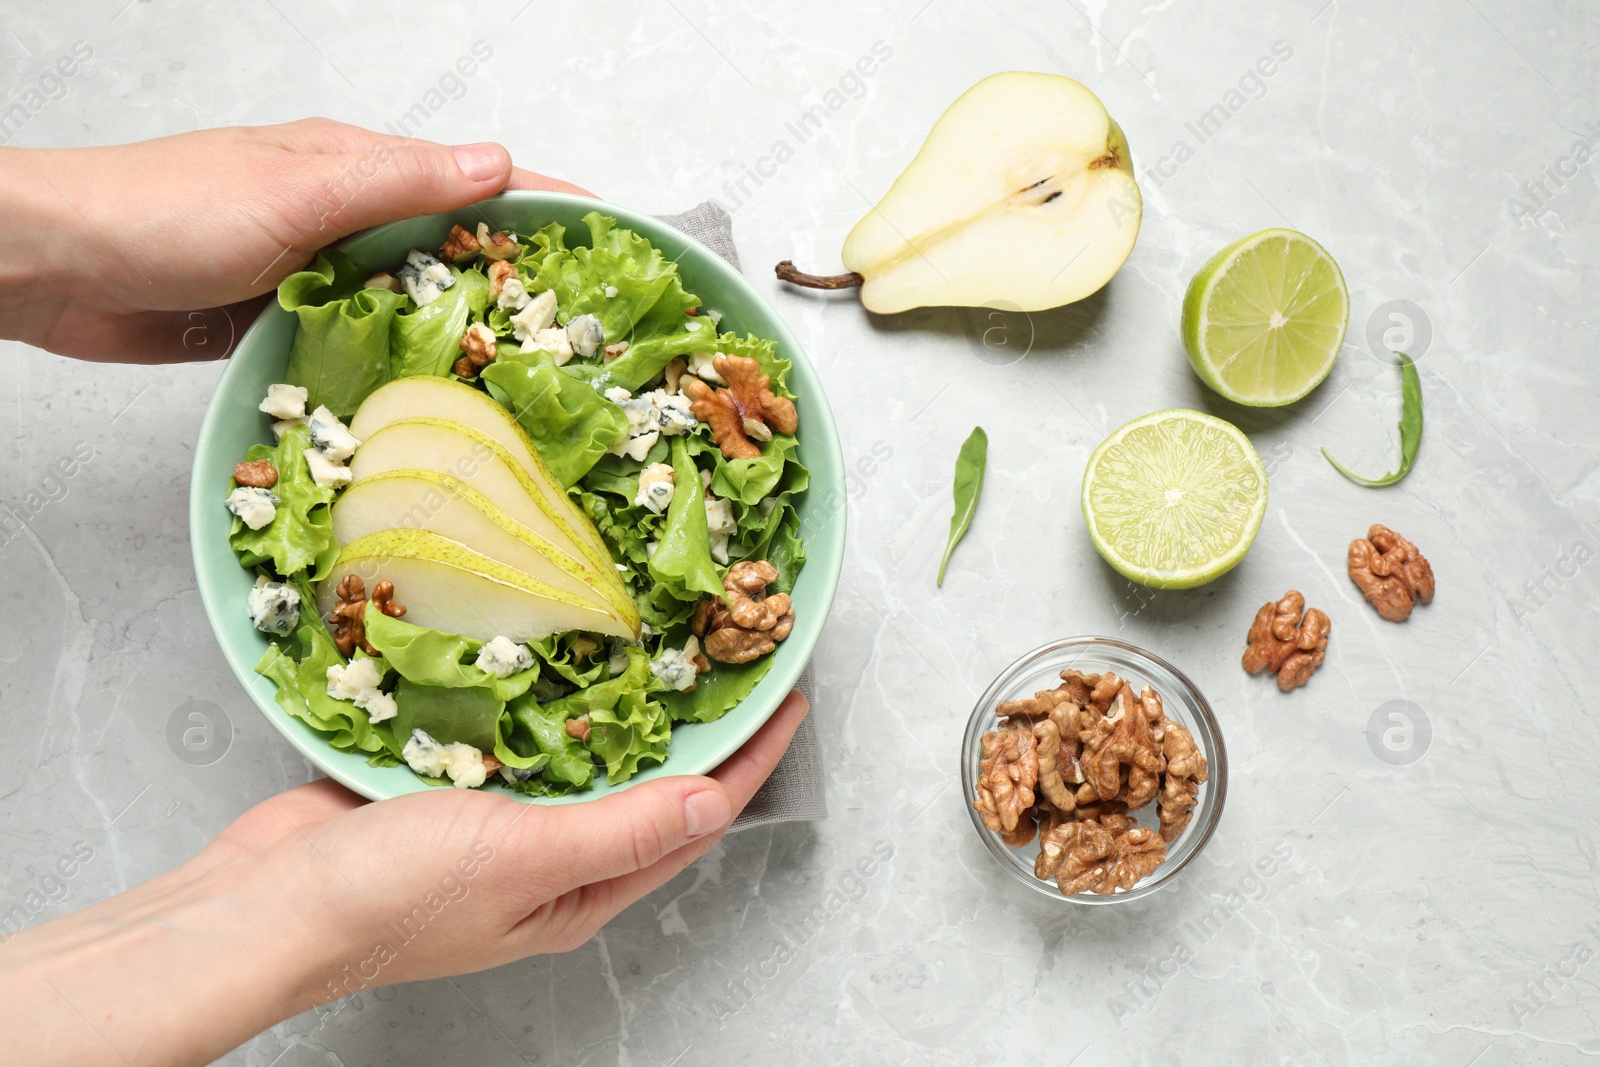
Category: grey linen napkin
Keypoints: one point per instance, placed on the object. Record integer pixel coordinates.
(794, 792)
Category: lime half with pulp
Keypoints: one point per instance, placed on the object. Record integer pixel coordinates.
(1173, 499)
(1264, 318)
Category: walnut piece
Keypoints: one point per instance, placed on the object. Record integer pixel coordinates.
(1119, 740)
(1288, 639)
(578, 728)
(1180, 788)
(1099, 857)
(256, 473)
(479, 345)
(745, 624)
(349, 616)
(1008, 768)
(747, 404)
(496, 246)
(460, 247)
(1058, 761)
(1390, 572)
(500, 272)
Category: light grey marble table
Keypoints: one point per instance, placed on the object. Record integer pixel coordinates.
(1431, 886)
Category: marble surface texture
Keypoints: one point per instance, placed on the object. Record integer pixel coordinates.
(1433, 895)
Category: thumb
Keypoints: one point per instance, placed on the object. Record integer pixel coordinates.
(628, 831)
(386, 182)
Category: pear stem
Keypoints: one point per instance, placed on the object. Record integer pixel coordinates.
(787, 272)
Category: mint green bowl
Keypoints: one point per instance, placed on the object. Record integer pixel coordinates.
(232, 424)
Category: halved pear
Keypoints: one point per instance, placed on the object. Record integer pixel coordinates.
(1021, 198)
(426, 396)
(483, 463)
(438, 503)
(447, 586)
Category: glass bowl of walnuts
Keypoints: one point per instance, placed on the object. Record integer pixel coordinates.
(1094, 771)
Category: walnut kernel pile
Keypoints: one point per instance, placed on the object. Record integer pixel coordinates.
(1071, 763)
(747, 623)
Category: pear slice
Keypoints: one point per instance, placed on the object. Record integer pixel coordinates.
(447, 586)
(481, 462)
(1021, 198)
(438, 503)
(426, 396)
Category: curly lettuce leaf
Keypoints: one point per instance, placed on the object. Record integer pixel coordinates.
(341, 352)
(299, 666)
(717, 693)
(300, 536)
(427, 340)
(682, 561)
(436, 658)
(625, 727)
(618, 258)
(569, 763)
(572, 425)
(470, 715)
(556, 652)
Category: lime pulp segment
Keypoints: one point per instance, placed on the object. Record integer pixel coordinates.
(1174, 499)
(1265, 318)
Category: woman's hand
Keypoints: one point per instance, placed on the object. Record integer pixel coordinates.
(124, 245)
(316, 894)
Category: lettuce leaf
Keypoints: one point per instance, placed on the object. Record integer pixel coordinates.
(616, 257)
(427, 340)
(470, 715)
(569, 763)
(300, 536)
(572, 425)
(682, 560)
(716, 693)
(436, 658)
(625, 728)
(299, 665)
(341, 352)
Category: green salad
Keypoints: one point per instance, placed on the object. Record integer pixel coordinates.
(528, 507)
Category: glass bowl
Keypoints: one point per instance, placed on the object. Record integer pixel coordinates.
(1040, 669)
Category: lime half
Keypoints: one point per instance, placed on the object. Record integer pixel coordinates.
(1264, 318)
(1173, 499)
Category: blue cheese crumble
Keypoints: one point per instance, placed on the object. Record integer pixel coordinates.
(720, 525)
(539, 314)
(324, 471)
(586, 336)
(358, 683)
(425, 278)
(503, 657)
(462, 764)
(330, 436)
(655, 487)
(675, 668)
(274, 606)
(257, 507)
(650, 415)
(285, 402)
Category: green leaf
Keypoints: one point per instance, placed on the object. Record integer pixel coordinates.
(300, 536)
(682, 560)
(970, 462)
(299, 666)
(625, 728)
(427, 340)
(619, 258)
(1410, 429)
(569, 762)
(340, 352)
(717, 693)
(435, 658)
(572, 425)
(468, 715)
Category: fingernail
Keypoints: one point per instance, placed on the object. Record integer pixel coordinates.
(481, 161)
(706, 811)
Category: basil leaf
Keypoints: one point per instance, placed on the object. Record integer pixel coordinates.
(970, 462)
(1410, 429)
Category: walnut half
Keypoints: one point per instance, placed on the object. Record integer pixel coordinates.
(1390, 572)
(745, 624)
(1288, 639)
(746, 409)
(349, 617)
